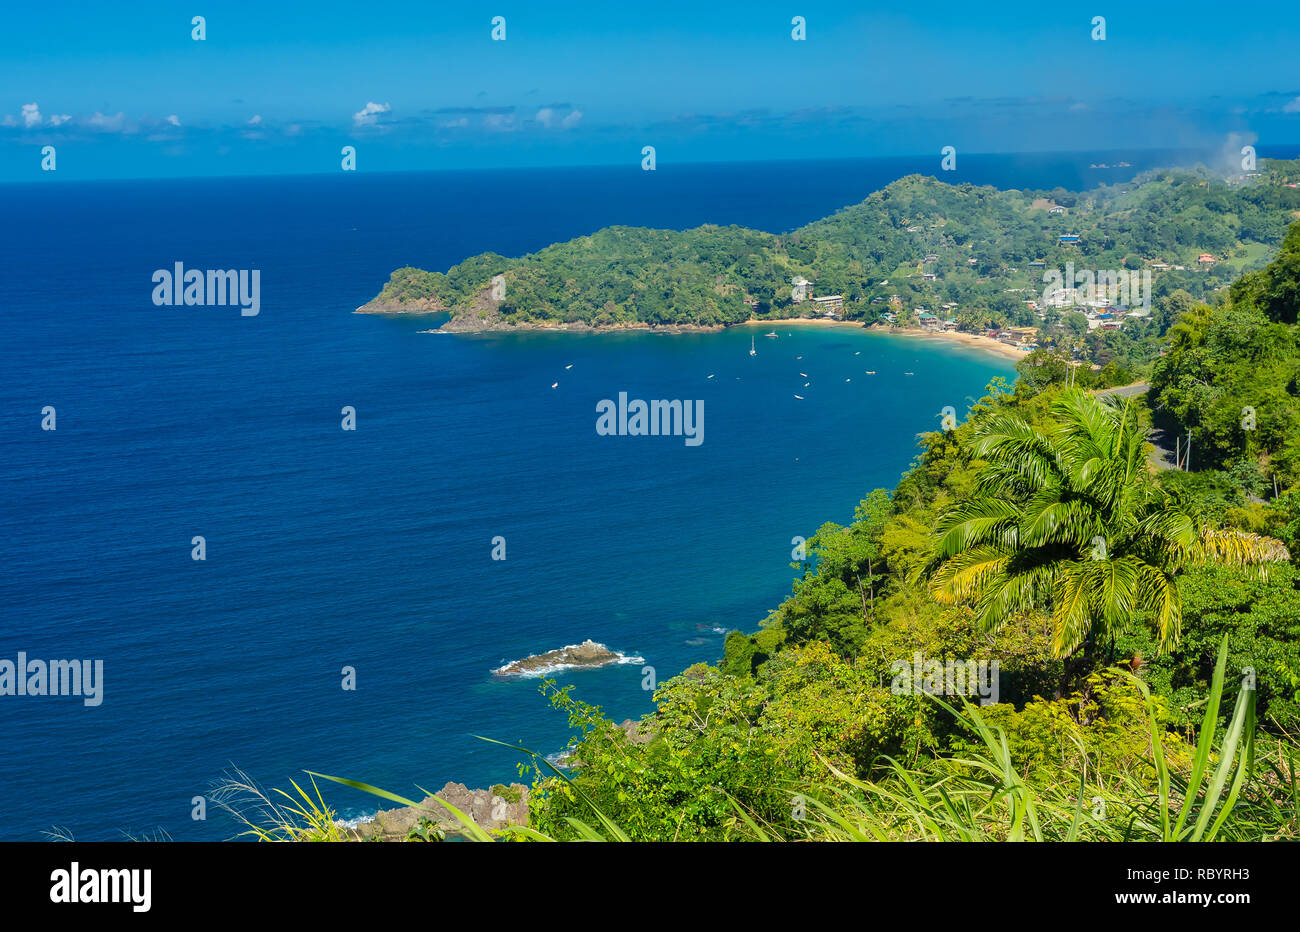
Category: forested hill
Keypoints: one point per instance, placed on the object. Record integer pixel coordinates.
(921, 239)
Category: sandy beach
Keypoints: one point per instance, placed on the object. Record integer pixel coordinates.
(799, 322)
(975, 340)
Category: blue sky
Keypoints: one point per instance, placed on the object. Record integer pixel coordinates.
(122, 90)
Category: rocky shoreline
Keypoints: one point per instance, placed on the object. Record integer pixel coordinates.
(458, 325)
(491, 809)
(418, 306)
(500, 807)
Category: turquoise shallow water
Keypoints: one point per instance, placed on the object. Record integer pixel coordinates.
(371, 548)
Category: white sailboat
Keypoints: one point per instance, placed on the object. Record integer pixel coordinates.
(752, 351)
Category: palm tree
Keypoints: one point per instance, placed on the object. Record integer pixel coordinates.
(1068, 518)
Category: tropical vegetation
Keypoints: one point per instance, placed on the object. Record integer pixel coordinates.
(1139, 610)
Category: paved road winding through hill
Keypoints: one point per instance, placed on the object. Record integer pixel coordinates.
(1162, 457)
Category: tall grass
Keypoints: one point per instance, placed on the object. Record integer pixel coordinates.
(278, 815)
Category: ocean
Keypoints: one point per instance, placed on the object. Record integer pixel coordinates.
(372, 549)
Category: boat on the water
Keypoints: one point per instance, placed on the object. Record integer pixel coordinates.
(752, 351)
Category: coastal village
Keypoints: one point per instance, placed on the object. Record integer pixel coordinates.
(1101, 315)
(1107, 301)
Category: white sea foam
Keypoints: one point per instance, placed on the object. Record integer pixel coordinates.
(352, 823)
(562, 759)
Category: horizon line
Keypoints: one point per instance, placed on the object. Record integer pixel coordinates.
(633, 165)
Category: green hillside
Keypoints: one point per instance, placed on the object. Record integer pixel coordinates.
(982, 241)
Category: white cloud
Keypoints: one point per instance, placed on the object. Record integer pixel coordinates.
(255, 120)
(548, 118)
(174, 120)
(31, 117)
(500, 121)
(1292, 106)
(109, 124)
(369, 114)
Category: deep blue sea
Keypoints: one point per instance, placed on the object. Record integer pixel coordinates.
(372, 548)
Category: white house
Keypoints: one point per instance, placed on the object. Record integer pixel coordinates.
(829, 304)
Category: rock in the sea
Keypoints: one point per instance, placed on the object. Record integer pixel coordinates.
(586, 654)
